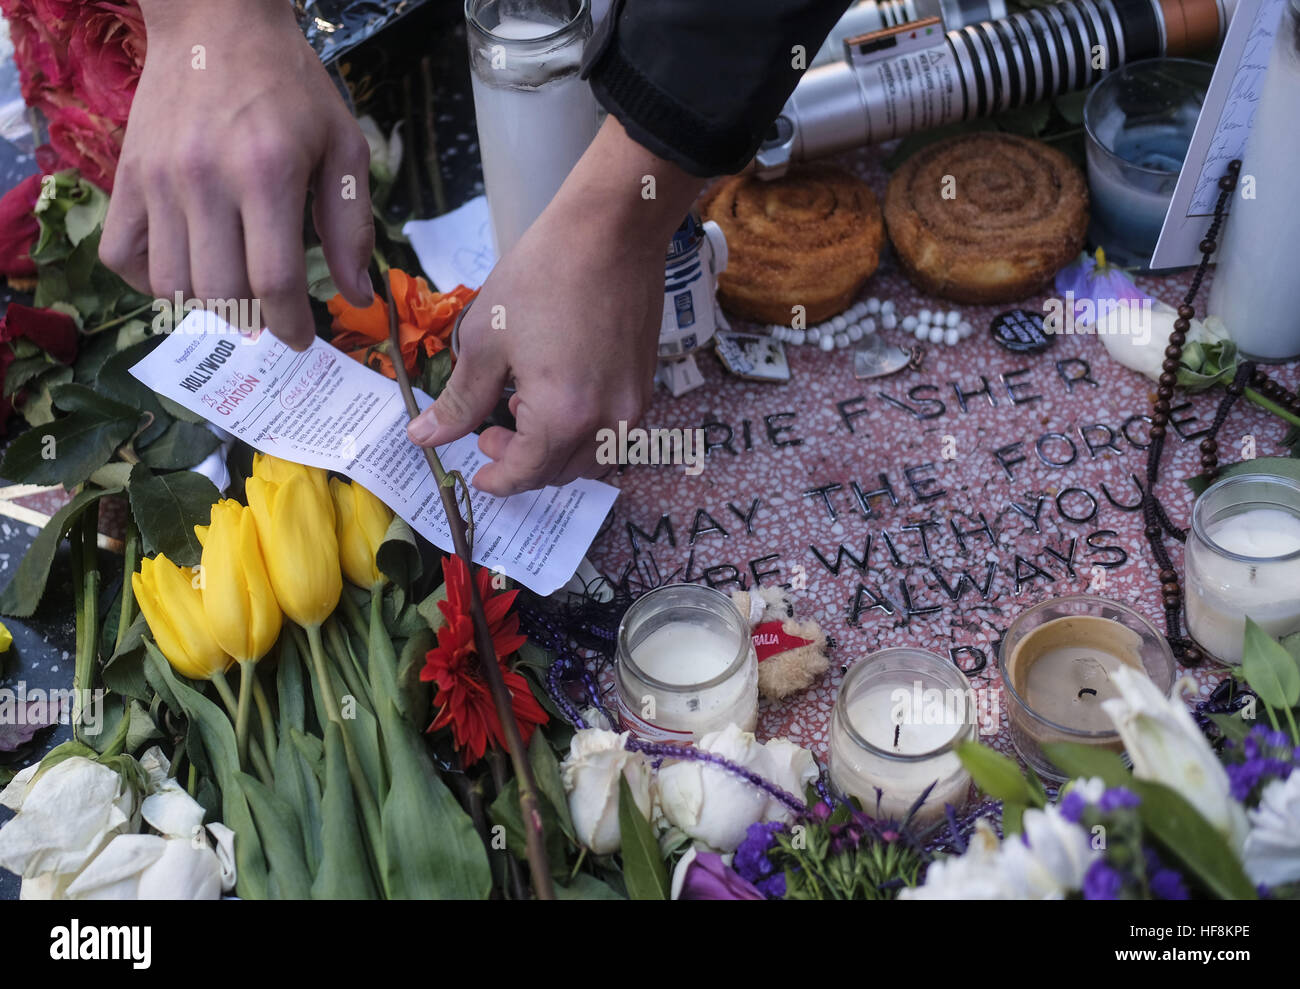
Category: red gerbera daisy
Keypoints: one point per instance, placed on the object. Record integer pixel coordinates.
(464, 700)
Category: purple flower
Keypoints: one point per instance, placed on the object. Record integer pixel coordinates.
(1166, 884)
(709, 878)
(1118, 798)
(1101, 882)
(1072, 806)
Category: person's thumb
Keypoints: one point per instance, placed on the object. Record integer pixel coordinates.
(468, 398)
(341, 213)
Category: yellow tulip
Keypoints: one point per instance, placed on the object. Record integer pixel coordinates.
(172, 602)
(295, 527)
(279, 471)
(362, 521)
(237, 595)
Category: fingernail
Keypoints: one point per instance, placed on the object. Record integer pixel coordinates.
(365, 288)
(422, 427)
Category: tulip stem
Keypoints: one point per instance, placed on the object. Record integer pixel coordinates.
(529, 804)
(362, 786)
(268, 723)
(353, 613)
(347, 664)
(247, 668)
(85, 575)
(130, 558)
(227, 695)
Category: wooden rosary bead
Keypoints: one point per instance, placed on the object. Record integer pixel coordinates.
(1186, 312)
(1165, 392)
(1170, 588)
(1209, 445)
(1173, 353)
(1170, 365)
(1182, 325)
(1162, 408)
(1157, 431)
(1168, 378)
(1207, 246)
(1167, 576)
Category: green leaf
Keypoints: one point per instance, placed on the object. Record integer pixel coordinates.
(546, 771)
(1279, 466)
(1080, 761)
(1012, 817)
(586, 887)
(287, 875)
(1178, 826)
(178, 411)
(87, 216)
(1233, 726)
(995, 774)
(428, 608)
(167, 507)
(1270, 670)
(24, 370)
(398, 557)
(289, 688)
(116, 381)
(507, 812)
(218, 738)
(27, 586)
(437, 371)
(345, 868)
(181, 445)
(68, 450)
(38, 408)
(320, 284)
(643, 868)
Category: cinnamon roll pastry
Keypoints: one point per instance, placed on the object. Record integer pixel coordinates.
(809, 239)
(986, 217)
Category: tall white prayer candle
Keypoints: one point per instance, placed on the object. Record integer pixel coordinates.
(535, 115)
(1243, 560)
(685, 665)
(898, 717)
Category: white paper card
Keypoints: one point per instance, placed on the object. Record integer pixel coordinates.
(1221, 131)
(455, 248)
(324, 409)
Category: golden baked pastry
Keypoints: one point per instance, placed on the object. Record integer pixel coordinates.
(809, 239)
(986, 217)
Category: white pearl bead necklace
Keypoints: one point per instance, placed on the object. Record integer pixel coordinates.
(859, 320)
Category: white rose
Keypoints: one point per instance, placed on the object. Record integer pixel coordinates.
(793, 769)
(64, 818)
(596, 761)
(1272, 853)
(150, 867)
(1141, 348)
(1166, 747)
(715, 806)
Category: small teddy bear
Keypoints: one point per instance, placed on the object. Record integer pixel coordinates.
(791, 653)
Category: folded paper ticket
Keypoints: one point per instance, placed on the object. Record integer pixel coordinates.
(322, 408)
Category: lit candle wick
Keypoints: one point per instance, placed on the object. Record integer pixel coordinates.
(897, 729)
(1085, 690)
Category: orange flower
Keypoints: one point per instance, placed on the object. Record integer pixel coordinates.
(425, 319)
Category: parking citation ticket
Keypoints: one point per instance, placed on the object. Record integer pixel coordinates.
(325, 409)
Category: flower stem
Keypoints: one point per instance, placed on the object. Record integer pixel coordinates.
(85, 574)
(227, 695)
(353, 613)
(118, 319)
(1271, 406)
(130, 558)
(268, 723)
(529, 804)
(247, 670)
(365, 795)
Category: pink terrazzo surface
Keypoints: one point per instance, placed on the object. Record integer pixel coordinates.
(787, 524)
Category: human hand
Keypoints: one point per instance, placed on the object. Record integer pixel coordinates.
(233, 121)
(572, 315)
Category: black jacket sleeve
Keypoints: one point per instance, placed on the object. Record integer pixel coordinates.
(699, 81)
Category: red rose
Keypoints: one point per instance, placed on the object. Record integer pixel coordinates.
(57, 15)
(40, 55)
(87, 142)
(107, 53)
(54, 332)
(18, 228)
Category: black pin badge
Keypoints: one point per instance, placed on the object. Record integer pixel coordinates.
(1021, 331)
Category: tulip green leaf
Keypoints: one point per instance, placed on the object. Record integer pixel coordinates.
(1013, 815)
(1179, 826)
(27, 587)
(643, 868)
(290, 785)
(996, 775)
(1269, 668)
(181, 445)
(289, 688)
(218, 737)
(1080, 761)
(167, 507)
(344, 873)
(287, 875)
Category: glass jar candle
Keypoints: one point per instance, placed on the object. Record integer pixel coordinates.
(1243, 559)
(685, 665)
(535, 115)
(898, 719)
(1057, 660)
